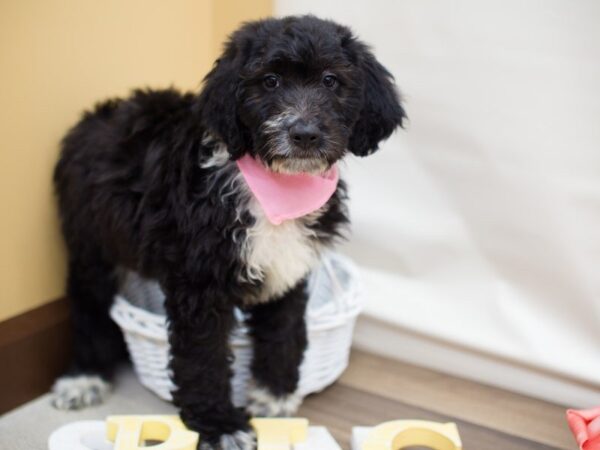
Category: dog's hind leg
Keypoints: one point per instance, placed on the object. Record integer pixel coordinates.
(98, 344)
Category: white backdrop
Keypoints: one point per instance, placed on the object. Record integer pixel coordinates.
(480, 225)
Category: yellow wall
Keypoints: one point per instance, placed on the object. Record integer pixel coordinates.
(56, 58)
(228, 14)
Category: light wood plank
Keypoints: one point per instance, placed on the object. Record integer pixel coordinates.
(342, 407)
(483, 405)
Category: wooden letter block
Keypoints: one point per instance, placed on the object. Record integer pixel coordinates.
(407, 433)
(279, 434)
(130, 432)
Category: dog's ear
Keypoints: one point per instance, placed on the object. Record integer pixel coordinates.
(381, 110)
(219, 99)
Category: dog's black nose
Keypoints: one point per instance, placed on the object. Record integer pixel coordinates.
(304, 134)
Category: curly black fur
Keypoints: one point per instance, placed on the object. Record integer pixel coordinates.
(137, 190)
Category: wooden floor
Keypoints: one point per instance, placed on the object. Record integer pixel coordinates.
(371, 391)
(375, 389)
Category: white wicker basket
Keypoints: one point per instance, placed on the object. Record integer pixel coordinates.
(335, 301)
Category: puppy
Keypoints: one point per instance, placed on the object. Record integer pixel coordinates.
(150, 184)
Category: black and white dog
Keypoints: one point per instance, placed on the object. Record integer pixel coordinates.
(150, 184)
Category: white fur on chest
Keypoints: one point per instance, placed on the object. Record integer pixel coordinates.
(279, 256)
(276, 257)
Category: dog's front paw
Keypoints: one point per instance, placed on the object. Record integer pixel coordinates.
(262, 403)
(77, 392)
(240, 440)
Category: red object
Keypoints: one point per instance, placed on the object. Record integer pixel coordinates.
(585, 425)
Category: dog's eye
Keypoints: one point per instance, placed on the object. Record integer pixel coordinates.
(271, 81)
(330, 81)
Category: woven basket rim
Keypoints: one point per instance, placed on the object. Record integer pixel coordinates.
(129, 316)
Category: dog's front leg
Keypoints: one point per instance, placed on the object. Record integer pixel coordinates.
(278, 330)
(200, 321)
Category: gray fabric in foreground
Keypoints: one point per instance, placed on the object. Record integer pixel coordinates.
(28, 427)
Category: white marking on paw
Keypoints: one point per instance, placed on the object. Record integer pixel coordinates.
(262, 403)
(76, 392)
(240, 440)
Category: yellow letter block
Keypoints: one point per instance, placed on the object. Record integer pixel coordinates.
(409, 433)
(130, 432)
(279, 434)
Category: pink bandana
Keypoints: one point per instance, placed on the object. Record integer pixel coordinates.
(282, 196)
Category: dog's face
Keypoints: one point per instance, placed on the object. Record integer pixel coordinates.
(298, 93)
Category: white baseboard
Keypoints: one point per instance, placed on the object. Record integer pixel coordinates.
(394, 342)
